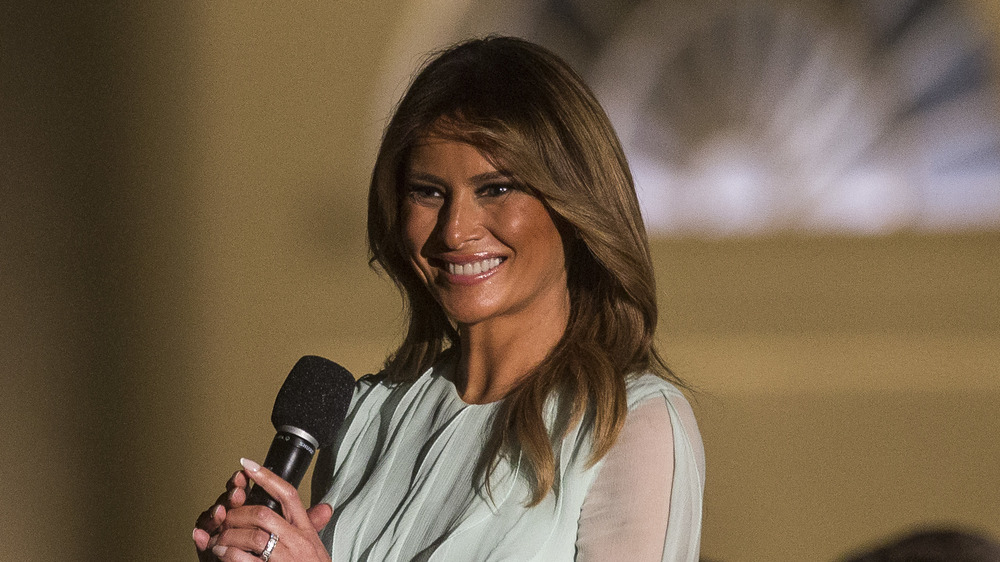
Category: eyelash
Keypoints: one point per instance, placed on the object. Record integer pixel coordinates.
(495, 189)
(419, 191)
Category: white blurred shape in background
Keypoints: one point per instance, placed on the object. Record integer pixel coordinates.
(748, 117)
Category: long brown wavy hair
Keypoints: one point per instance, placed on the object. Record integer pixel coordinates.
(531, 115)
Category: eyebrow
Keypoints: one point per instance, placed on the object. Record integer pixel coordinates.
(478, 178)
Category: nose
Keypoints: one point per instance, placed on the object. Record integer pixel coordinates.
(460, 221)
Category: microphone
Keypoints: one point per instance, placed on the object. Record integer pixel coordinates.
(309, 409)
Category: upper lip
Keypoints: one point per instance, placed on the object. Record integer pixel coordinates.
(468, 258)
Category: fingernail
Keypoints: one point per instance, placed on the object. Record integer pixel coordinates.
(219, 550)
(250, 465)
(217, 511)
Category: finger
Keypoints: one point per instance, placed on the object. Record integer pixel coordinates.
(283, 492)
(247, 539)
(236, 489)
(294, 543)
(236, 497)
(211, 518)
(201, 538)
(233, 554)
(258, 517)
(288, 547)
(319, 515)
(229, 544)
(202, 544)
(238, 480)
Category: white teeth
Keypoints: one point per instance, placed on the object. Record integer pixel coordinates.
(474, 268)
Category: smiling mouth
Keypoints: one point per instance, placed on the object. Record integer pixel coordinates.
(474, 268)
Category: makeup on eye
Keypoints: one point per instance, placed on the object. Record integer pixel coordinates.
(423, 190)
(496, 189)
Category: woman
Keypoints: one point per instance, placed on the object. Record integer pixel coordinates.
(526, 415)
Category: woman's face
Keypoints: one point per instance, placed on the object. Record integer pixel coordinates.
(487, 250)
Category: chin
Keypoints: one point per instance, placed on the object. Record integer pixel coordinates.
(467, 318)
(468, 315)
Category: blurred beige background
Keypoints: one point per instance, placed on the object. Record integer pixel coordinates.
(183, 217)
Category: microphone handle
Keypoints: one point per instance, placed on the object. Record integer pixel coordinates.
(289, 458)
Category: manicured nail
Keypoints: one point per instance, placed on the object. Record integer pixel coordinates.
(219, 550)
(250, 465)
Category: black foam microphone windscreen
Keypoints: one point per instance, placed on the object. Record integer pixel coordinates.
(309, 409)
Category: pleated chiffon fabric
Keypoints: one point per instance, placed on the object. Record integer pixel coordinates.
(403, 481)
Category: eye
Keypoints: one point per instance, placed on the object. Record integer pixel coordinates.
(495, 189)
(423, 192)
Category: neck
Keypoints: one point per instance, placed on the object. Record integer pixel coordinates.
(498, 355)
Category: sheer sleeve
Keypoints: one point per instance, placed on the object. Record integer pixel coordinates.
(626, 513)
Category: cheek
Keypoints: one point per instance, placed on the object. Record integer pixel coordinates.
(416, 228)
(414, 231)
(533, 228)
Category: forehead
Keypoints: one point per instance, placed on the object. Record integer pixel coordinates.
(433, 154)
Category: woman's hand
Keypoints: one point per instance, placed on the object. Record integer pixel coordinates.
(244, 530)
(211, 519)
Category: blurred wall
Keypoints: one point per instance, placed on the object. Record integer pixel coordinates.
(94, 268)
(849, 386)
(183, 218)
